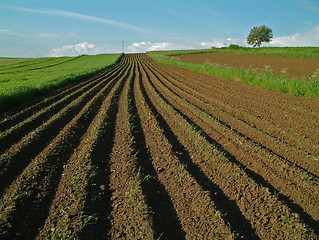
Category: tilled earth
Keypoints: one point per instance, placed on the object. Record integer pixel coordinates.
(149, 151)
(300, 68)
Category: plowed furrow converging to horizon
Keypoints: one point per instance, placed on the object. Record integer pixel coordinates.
(199, 216)
(259, 135)
(40, 177)
(13, 134)
(252, 174)
(145, 150)
(204, 108)
(163, 217)
(273, 119)
(299, 106)
(127, 215)
(71, 194)
(20, 154)
(274, 176)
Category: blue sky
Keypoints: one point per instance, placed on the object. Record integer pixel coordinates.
(36, 28)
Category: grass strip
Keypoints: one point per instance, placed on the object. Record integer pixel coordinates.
(300, 52)
(266, 80)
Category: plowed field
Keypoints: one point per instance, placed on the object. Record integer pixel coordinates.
(300, 68)
(148, 151)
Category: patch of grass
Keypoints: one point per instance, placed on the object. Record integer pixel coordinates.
(308, 179)
(265, 79)
(23, 81)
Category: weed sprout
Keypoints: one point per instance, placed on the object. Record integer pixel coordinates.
(315, 76)
(284, 72)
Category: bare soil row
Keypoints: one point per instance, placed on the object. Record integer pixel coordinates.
(148, 151)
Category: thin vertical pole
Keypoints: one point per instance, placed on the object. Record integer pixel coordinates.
(122, 46)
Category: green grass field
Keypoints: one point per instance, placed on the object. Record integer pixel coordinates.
(8, 61)
(266, 80)
(22, 80)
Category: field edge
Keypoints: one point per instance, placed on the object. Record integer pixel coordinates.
(265, 80)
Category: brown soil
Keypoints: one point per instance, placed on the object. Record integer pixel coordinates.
(300, 68)
(148, 151)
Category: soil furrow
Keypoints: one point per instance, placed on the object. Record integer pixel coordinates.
(67, 215)
(129, 217)
(165, 221)
(145, 150)
(270, 115)
(305, 194)
(203, 108)
(12, 135)
(177, 164)
(238, 223)
(98, 200)
(309, 203)
(13, 160)
(219, 146)
(31, 193)
(250, 128)
(261, 162)
(99, 196)
(294, 156)
(299, 105)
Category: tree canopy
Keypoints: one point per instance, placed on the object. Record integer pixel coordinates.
(258, 35)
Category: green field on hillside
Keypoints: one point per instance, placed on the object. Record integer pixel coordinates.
(24, 80)
(8, 61)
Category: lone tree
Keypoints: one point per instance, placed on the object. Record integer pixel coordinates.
(260, 34)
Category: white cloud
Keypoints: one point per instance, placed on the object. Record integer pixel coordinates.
(157, 46)
(75, 50)
(309, 38)
(139, 47)
(84, 48)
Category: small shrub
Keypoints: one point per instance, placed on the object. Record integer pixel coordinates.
(234, 46)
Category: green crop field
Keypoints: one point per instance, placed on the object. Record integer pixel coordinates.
(22, 80)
